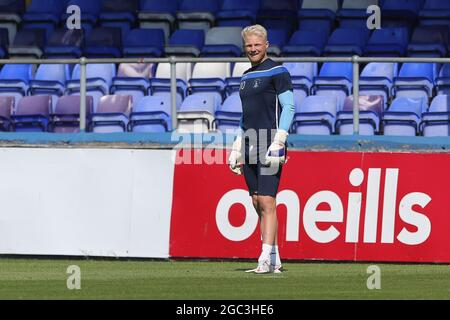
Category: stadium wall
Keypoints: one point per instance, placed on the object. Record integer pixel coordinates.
(341, 198)
(85, 202)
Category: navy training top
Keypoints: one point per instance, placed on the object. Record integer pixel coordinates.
(260, 87)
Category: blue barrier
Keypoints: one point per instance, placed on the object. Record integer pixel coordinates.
(169, 140)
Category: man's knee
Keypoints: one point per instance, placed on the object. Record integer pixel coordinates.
(266, 204)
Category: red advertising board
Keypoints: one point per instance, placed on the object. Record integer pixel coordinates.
(355, 206)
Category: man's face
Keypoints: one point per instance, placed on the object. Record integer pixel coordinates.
(255, 48)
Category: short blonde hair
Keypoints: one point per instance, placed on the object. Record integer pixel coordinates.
(255, 29)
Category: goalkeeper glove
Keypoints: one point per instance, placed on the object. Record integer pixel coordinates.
(236, 160)
(276, 154)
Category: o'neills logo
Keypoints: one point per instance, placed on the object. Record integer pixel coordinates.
(311, 215)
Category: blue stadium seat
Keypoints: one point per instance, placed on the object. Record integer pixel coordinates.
(400, 13)
(239, 68)
(112, 114)
(404, 116)
(277, 38)
(98, 80)
(304, 71)
(316, 26)
(161, 87)
(278, 14)
(197, 14)
(4, 42)
(14, 80)
(145, 43)
(443, 80)
(6, 108)
(119, 14)
(132, 79)
(29, 43)
(209, 79)
(377, 79)
(388, 42)
(237, 13)
(196, 113)
(415, 80)
(31, 114)
(318, 14)
(302, 75)
(48, 29)
(435, 12)
(319, 9)
(370, 112)
(90, 11)
(65, 43)
(429, 41)
(346, 42)
(306, 43)
(45, 13)
(104, 42)
(160, 84)
(316, 115)
(223, 42)
(229, 114)
(50, 79)
(151, 114)
(156, 14)
(66, 115)
(184, 42)
(334, 78)
(8, 6)
(354, 13)
(436, 121)
(11, 12)
(278, 5)
(233, 83)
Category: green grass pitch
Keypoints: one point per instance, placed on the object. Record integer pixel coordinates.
(211, 280)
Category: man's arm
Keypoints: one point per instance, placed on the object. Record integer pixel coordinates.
(288, 110)
(276, 152)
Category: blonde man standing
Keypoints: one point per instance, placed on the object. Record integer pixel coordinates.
(259, 150)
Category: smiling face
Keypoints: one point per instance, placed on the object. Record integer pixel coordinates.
(255, 48)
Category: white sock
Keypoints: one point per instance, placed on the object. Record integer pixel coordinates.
(265, 254)
(275, 256)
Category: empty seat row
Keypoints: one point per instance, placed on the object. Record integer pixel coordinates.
(102, 79)
(320, 115)
(115, 113)
(316, 115)
(138, 80)
(425, 41)
(106, 42)
(315, 35)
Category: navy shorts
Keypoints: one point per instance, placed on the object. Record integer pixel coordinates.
(261, 180)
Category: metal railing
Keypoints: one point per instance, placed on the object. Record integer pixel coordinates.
(355, 60)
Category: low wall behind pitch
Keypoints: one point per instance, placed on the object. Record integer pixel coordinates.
(131, 195)
(85, 202)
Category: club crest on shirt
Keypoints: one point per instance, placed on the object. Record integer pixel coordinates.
(242, 85)
(256, 84)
